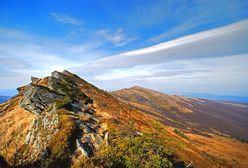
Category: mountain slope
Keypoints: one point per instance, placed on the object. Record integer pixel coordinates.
(198, 115)
(47, 121)
(215, 128)
(63, 121)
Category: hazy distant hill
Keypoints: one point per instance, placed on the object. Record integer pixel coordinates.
(219, 97)
(196, 115)
(4, 98)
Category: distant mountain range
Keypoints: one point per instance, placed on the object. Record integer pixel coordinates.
(218, 97)
(4, 98)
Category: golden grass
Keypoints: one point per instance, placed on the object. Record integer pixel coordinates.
(235, 153)
(61, 144)
(154, 98)
(84, 118)
(14, 126)
(43, 82)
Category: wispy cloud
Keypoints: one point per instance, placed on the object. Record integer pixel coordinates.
(190, 24)
(13, 63)
(150, 72)
(196, 58)
(219, 42)
(66, 19)
(154, 12)
(117, 38)
(201, 15)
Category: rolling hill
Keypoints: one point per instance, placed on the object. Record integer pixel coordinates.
(196, 115)
(219, 129)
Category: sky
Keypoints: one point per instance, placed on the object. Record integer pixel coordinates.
(173, 46)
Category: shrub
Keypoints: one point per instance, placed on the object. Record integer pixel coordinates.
(129, 150)
(88, 100)
(59, 104)
(180, 133)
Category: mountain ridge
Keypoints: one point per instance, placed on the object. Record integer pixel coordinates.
(63, 121)
(188, 109)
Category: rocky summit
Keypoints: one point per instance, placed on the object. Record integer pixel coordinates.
(61, 113)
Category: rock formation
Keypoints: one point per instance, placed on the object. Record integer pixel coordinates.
(44, 98)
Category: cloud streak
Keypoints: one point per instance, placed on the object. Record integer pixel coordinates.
(65, 19)
(117, 38)
(219, 42)
(201, 15)
(13, 63)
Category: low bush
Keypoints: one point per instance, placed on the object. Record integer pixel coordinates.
(180, 133)
(59, 104)
(88, 100)
(126, 149)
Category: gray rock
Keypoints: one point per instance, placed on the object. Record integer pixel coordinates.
(86, 148)
(44, 155)
(34, 80)
(85, 128)
(76, 106)
(41, 130)
(37, 98)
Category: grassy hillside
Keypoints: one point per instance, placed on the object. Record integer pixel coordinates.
(63, 121)
(217, 129)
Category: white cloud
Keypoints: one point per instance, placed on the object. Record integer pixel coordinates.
(219, 75)
(189, 24)
(126, 73)
(13, 63)
(118, 38)
(198, 61)
(66, 19)
(219, 42)
(24, 55)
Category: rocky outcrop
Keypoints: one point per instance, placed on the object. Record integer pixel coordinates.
(44, 101)
(34, 80)
(37, 98)
(41, 130)
(92, 132)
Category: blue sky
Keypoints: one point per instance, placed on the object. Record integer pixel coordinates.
(172, 46)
